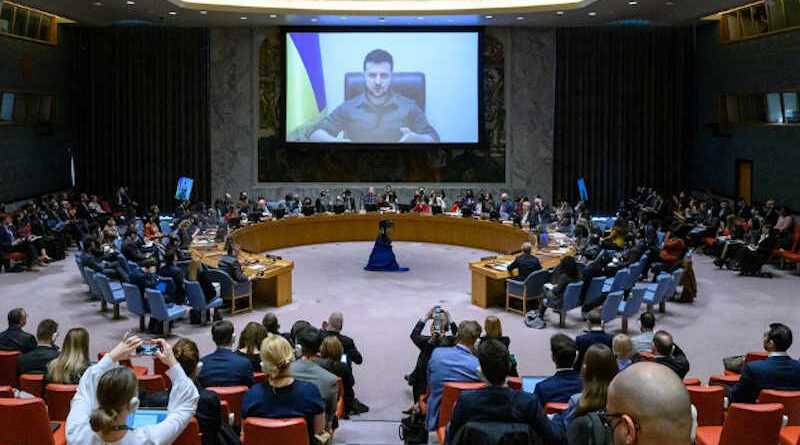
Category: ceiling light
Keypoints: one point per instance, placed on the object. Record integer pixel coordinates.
(633, 3)
(173, 13)
(204, 12)
(559, 12)
(273, 16)
(314, 20)
(520, 18)
(131, 2)
(489, 16)
(244, 17)
(98, 3)
(592, 14)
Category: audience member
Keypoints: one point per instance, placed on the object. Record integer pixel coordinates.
(224, 367)
(525, 263)
(499, 403)
(14, 338)
(418, 379)
(669, 354)
(297, 327)
(131, 246)
(595, 335)
(198, 273)
(36, 360)
(493, 330)
(250, 342)
(567, 272)
(330, 357)
(145, 276)
(171, 270)
(270, 323)
(334, 328)
(107, 395)
(566, 381)
(306, 370)
(72, 362)
(282, 396)
(623, 350)
(453, 364)
(648, 405)
(644, 341)
(778, 371)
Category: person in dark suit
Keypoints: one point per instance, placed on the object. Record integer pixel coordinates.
(566, 381)
(567, 272)
(592, 270)
(224, 367)
(35, 361)
(778, 371)
(14, 338)
(596, 334)
(230, 265)
(526, 263)
(130, 246)
(333, 327)
(418, 379)
(499, 403)
(145, 277)
(170, 270)
(669, 354)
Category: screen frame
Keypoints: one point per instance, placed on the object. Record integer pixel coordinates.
(482, 142)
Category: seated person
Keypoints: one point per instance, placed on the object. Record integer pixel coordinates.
(644, 341)
(230, 264)
(334, 327)
(197, 272)
(778, 371)
(751, 258)
(672, 250)
(271, 324)
(72, 362)
(623, 350)
(567, 273)
(35, 361)
(616, 239)
(108, 263)
(330, 358)
(453, 364)
(131, 246)
(525, 262)
(170, 270)
(499, 403)
(282, 396)
(595, 335)
(421, 205)
(250, 342)
(224, 367)
(494, 331)
(304, 369)
(669, 354)
(145, 277)
(418, 379)
(566, 381)
(14, 338)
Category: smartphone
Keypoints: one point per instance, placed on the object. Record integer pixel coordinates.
(343, 359)
(148, 348)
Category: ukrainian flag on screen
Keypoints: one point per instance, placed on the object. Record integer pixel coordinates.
(305, 94)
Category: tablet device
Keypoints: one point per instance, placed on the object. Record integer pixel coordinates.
(146, 416)
(529, 382)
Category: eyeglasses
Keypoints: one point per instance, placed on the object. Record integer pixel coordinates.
(607, 419)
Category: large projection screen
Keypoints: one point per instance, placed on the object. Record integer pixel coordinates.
(392, 88)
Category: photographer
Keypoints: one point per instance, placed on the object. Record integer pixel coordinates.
(427, 343)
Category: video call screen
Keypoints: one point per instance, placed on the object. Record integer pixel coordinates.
(382, 87)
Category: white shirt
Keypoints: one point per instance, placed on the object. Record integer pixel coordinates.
(778, 354)
(181, 408)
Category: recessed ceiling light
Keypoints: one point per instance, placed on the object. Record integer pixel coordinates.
(244, 17)
(592, 14)
(173, 13)
(314, 20)
(98, 3)
(204, 12)
(489, 16)
(520, 18)
(273, 16)
(343, 17)
(559, 12)
(130, 2)
(633, 3)
(420, 18)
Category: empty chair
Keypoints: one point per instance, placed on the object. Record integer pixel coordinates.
(634, 272)
(93, 292)
(619, 282)
(692, 381)
(233, 395)
(232, 290)
(32, 384)
(190, 435)
(710, 404)
(59, 398)
(654, 292)
(450, 394)
(151, 384)
(6, 392)
(111, 296)
(671, 289)
(8, 368)
(595, 291)
(24, 421)
(723, 380)
(611, 306)
(745, 424)
(257, 431)
(570, 301)
(530, 289)
(630, 307)
(790, 435)
(161, 311)
(135, 303)
(197, 300)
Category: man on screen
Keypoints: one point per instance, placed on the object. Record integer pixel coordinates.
(378, 114)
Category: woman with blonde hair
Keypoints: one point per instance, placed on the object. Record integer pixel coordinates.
(494, 330)
(281, 395)
(623, 349)
(71, 363)
(107, 394)
(250, 342)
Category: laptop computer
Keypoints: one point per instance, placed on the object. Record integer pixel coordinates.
(146, 416)
(529, 382)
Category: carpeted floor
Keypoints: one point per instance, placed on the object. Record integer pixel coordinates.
(380, 310)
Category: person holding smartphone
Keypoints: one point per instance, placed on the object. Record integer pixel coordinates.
(441, 324)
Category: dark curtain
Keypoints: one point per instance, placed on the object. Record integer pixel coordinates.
(142, 116)
(623, 105)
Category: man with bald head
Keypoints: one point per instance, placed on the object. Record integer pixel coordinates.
(334, 327)
(648, 404)
(669, 354)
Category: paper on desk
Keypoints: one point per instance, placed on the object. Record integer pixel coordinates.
(256, 267)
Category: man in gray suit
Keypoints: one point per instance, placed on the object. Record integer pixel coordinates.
(304, 369)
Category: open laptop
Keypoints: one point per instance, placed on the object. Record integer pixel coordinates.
(146, 416)
(529, 382)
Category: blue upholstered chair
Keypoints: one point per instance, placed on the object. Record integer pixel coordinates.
(161, 311)
(93, 292)
(634, 272)
(619, 282)
(611, 306)
(654, 292)
(669, 294)
(630, 307)
(113, 296)
(197, 300)
(570, 301)
(233, 290)
(135, 303)
(530, 289)
(595, 291)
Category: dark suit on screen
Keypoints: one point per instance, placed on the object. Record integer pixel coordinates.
(777, 372)
(224, 367)
(526, 263)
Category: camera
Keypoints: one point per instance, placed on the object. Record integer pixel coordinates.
(148, 348)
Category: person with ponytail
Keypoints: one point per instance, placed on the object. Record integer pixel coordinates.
(281, 395)
(107, 395)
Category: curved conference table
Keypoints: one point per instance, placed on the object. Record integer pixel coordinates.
(272, 277)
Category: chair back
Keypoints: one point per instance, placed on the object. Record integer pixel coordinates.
(620, 280)
(663, 282)
(634, 303)
(450, 394)
(158, 305)
(195, 295)
(152, 383)
(258, 431)
(233, 395)
(534, 283)
(789, 399)
(692, 381)
(32, 384)
(572, 295)
(796, 238)
(673, 284)
(225, 281)
(611, 306)
(190, 435)
(555, 407)
(595, 290)
(340, 403)
(754, 356)
(634, 272)
(260, 377)
(6, 392)
(24, 421)
(102, 286)
(752, 424)
(710, 404)
(133, 299)
(90, 278)
(59, 398)
(8, 368)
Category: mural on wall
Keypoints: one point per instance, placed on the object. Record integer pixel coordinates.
(277, 163)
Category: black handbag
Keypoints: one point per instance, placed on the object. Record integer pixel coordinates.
(412, 429)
